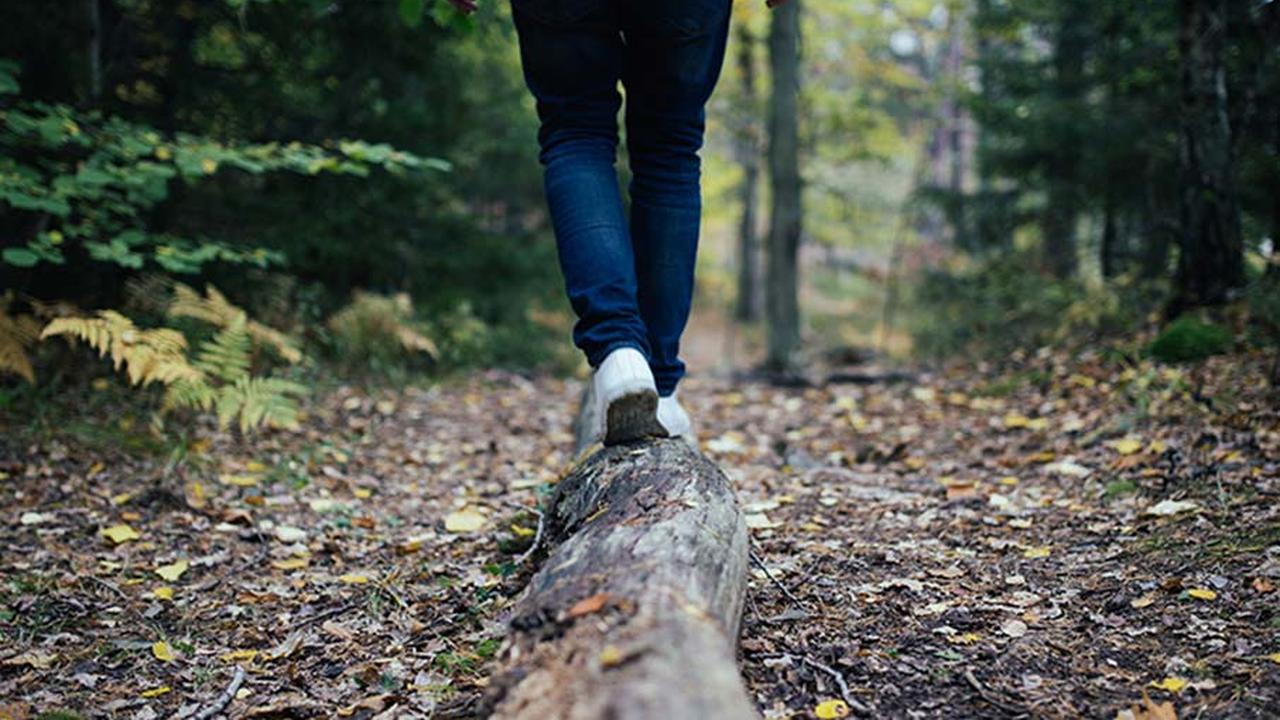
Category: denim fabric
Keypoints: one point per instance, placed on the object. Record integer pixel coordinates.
(630, 280)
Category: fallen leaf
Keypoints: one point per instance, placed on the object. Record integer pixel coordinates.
(1165, 508)
(290, 534)
(1171, 684)
(466, 520)
(162, 651)
(119, 534)
(1148, 710)
(1068, 468)
(610, 656)
(172, 571)
(1014, 628)
(1274, 657)
(1036, 552)
(1144, 601)
(1263, 585)
(32, 518)
(163, 593)
(243, 481)
(296, 563)
(588, 606)
(35, 658)
(352, 579)
(831, 709)
(964, 638)
(1127, 446)
(1200, 593)
(156, 692)
(236, 656)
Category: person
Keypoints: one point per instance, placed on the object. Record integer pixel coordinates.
(629, 280)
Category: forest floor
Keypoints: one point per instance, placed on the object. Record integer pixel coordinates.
(1055, 540)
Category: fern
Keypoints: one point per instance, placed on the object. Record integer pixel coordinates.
(17, 334)
(189, 395)
(259, 401)
(215, 309)
(227, 355)
(148, 356)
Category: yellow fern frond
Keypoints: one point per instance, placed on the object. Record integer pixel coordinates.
(148, 356)
(214, 308)
(190, 394)
(18, 333)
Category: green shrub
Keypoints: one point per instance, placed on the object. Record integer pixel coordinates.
(1188, 339)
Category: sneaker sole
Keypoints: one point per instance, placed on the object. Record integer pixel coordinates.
(633, 416)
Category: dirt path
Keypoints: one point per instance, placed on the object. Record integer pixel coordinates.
(969, 545)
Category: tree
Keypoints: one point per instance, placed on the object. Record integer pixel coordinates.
(781, 290)
(1211, 264)
(747, 149)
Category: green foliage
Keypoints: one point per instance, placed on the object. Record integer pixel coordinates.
(1000, 305)
(1189, 339)
(90, 180)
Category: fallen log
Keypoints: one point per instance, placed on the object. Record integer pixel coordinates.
(634, 613)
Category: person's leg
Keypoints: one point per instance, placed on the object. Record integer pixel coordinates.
(572, 64)
(674, 51)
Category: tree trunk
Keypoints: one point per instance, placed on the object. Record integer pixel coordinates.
(634, 614)
(1063, 206)
(95, 51)
(1211, 262)
(782, 291)
(748, 147)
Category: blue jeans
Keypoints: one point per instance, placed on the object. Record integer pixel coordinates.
(630, 282)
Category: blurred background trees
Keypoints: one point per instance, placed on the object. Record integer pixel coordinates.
(921, 177)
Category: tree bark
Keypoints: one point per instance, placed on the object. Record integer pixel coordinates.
(1211, 261)
(748, 147)
(782, 282)
(1062, 168)
(634, 614)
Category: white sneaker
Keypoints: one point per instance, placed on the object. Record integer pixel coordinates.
(626, 398)
(672, 416)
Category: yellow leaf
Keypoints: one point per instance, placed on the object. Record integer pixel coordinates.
(1172, 684)
(1144, 601)
(1202, 593)
(964, 639)
(1014, 420)
(1127, 446)
(239, 480)
(522, 531)
(831, 709)
(162, 651)
(296, 563)
(1009, 480)
(239, 656)
(466, 520)
(163, 153)
(163, 592)
(1156, 447)
(254, 466)
(1036, 552)
(610, 656)
(1274, 657)
(121, 499)
(209, 166)
(353, 579)
(120, 534)
(362, 493)
(172, 571)
(156, 692)
(96, 468)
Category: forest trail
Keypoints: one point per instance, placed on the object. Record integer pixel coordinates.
(1052, 543)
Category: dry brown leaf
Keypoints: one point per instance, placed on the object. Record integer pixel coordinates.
(589, 605)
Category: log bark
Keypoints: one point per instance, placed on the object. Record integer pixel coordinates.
(634, 613)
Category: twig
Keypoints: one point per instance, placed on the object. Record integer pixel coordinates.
(223, 700)
(990, 697)
(785, 590)
(844, 686)
(538, 536)
(322, 616)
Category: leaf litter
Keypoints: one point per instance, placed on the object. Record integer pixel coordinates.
(941, 548)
